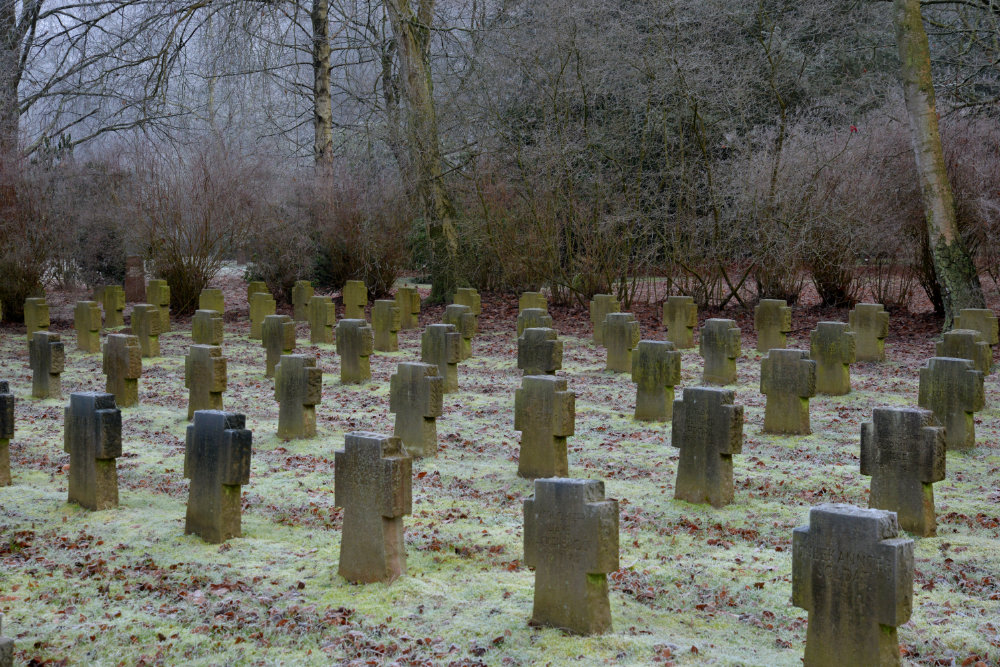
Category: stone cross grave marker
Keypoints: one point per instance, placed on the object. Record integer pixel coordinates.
(355, 343)
(278, 338)
(720, 346)
(465, 323)
(982, 320)
(36, 315)
(600, 306)
(656, 370)
(533, 318)
(146, 324)
(408, 300)
(135, 279)
(571, 541)
(302, 292)
(212, 299)
(207, 328)
(386, 323)
(953, 390)
(217, 461)
(967, 344)
(92, 436)
(47, 358)
(373, 483)
(87, 322)
(7, 402)
(262, 304)
(545, 414)
(621, 336)
(441, 345)
(788, 379)
(832, 347)
(322, 315)
(870, 324)
(708, 429)
(467, 296)
(122, 365)
(416, 394)
(298, 388)
(854, 575)
(355, 296)
(539, 352)
(6, 648)
(113, 301)
(532, 300)
(206, 377)
(903, 451)
(772, 320)
(158, 293)
(680, 317)
(255, 286)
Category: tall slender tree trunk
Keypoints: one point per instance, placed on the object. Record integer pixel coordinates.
(956, 272)
(10, 69)
(322, 103)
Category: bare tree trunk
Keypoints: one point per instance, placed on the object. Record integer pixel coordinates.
(956, 272)
(323, 105)
(11, 68)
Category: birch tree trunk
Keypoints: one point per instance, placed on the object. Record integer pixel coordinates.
(323, 105)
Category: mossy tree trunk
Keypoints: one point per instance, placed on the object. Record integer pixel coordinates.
(322, 103)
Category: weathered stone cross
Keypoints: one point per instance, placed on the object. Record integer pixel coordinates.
(205, 376)
(408, 300)
(298, 388)
(870, 324)
(93, 440)
(465, 324)
(680, 317)
(146, 323)
(207, 327)
(656, 370)
(467, 296)
(532, 300)
(441, 345)
(772, 319)
(533, 318)
(47, 358)
(386, 322)
(36, 316)
(122, 366)
(158, 293)
(832, 347)
(985, 322)
(720, 347)
(967, 344)
(415, 396)
(217, 461)
(788, 379)
(302, 292)
(355, 296)
(278, 338)
(87, 322)
(539, 352)
(600, 306)
(322, 318)
(113, 300)
(355, 342)
(545, 414)
(953, 390)
(621, 336)
(7, 402)
(212, 299)
(708, 429)
(262, 304)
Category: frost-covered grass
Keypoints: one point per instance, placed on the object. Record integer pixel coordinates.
(696, 585)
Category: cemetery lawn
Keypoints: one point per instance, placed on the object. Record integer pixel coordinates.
(696, 585)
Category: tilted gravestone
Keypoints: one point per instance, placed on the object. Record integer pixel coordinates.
(953, 390)
(36, 315)
(708, 429)
(967, 344)
(255, 286)
(982, 320)
(7, 402)
(355, 296)
(158, 293)
(278, 338)
(146, 324)
(465, 323)
(533, 318)
(262, 304)
(467, 296)
(788, 379)
(298, 388)
(302, 292)
(355, 343)
(408, 300)
(92, 436)
(772, 320)
(135, 279)
(539, 352)
(48, 358)
(386, 323)
(854, 575)
(832, 347)
(720, 346)
(600, 306)
(207, 328)
(122, 365)
(870, 324)
(532, 300)
(545, 414)
(621, 336)
(6, 648)
(206, 377)
(322, 315)
(680, 317)
(903, 451)
(217, 461)
(415, 396)
(87, 322)
(212, 299)
(113, 301)
(656, 370)
(571, 541)
(441, 345)
(373, 483)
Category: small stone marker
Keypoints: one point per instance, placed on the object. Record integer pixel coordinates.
(135, 279)
(205, 376)
(207, 327)
(36, 315)
(217, 461)
(355, 296)
(571, 540)
(278, 338)
(415, 396)
(903, 451)
(87, 322)
(7, 402)
(533, 318)
(93, 440)
(408, 300)
(621, 335)
(708, 429)
(656, 370)
(262, 304)
(832, 347)
(680, 317)
(854, 575)
(122, 366)
(6, 648)
(953, 390)
(600, 306)
(47, 358)
(302, 291)
(322, 315)
(982, 320)
(298, 388)
(967, 344)
(788, 379)
(467, 296)
(373, 483)
(212, 299)
(539, 352)
(255, 286)
(158, 293)
(146, 324)
(355, 343)
(870, 324)
(544, 413)
(113, 301)
(720, 346)
(386, 324)
(772, 319)
(465, 322)
(441, 345)
(532, 300)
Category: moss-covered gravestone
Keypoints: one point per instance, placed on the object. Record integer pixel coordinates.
(122, 366)
(600, 306)
(953, 390)
(278, 338)
(720, 346)
(772, 320)
(545, 414)
(217, 461)
(302, 292)
(212, 299)
(870, 324)
(532, 300)
(298, 388)
(7, 402)
(36, 316)
(832, 347)
(146, 323)
(113, 301)
(903, 451)
(93, 439)
(533, 318)
(6, 648)
(441, 345)
(355, 343)
(571, 541)
(465, 323)
(262, 304)
(416, 394)
(322, 315)
(207, 327)
(967, 344)
(788, 379)
(982, 320)
(355, 296)
(385, 325)
(656, 370)
(408, 300)
(621, 336)
(854, 575)
(539, 352)
(255, 286)
(87, 322)
(135, 279)
(373, 483)
(47, 358)
(708, 429)
(467, 296)
(158, 294)
(206, 377)
(680, 317)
